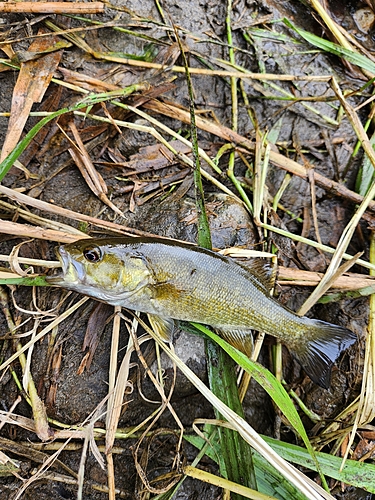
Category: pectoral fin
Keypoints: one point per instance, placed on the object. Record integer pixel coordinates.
(164, 327)
(240, 339)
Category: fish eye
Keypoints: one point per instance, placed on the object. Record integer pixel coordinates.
(92, 254)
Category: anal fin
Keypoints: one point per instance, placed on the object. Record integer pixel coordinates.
(240, 339)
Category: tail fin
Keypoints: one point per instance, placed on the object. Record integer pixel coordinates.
(324, 344)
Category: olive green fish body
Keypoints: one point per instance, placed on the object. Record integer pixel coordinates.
(184, 282)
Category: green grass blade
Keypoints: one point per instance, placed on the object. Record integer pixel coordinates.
(204, 234)
(358, 474)
(26, 281)
(236, 453)
(269, 480)
(366, 174)
(351, 56)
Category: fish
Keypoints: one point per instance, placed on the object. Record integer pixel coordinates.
(172, 281)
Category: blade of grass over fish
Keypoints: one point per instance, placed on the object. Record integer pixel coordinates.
(87, 102)
(236, 452)
(351, 56)
(308, 487)
(271, 385)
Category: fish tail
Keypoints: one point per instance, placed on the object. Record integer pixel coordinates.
(319, 348)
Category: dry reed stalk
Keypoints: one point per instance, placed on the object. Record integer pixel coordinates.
(53, 7)
(28, 231)
(349, 281)
(64, 212)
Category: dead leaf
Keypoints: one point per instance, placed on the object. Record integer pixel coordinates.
(32, 82)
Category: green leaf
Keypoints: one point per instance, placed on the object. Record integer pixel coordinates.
(26, 281)
(236, 453)
(358, 474)
(269, 480)
(351, 56)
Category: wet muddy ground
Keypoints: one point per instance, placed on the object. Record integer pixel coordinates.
(72, 392)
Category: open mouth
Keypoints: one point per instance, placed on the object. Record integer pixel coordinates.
(72, 272)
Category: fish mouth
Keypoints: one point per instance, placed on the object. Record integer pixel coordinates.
(72, 271)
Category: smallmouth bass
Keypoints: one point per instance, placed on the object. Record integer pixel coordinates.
(175, 281)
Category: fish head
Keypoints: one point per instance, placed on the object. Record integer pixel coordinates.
(106, 272)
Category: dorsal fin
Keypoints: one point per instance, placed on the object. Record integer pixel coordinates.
(263, 270)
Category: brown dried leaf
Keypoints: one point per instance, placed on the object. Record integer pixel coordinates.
(33, 80)
(95, 327)
(364, 447)
(92, 177)
(86, 82)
